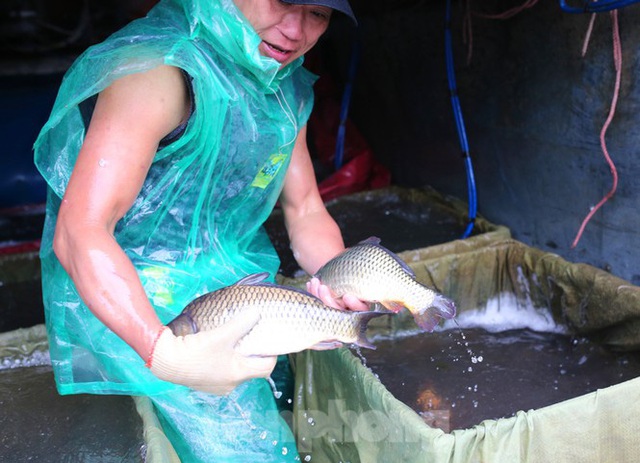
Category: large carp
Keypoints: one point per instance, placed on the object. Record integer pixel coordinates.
(376, 275)
(290, 320)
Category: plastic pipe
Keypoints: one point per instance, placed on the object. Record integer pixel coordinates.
(344, 108)
(591, 6)
(462, 133)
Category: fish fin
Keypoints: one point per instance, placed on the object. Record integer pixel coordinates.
(253, 279)
(363, 322)
(300, 291)
(393, 306)
(441, 307)
(371, 240)
(377, 307)
(402, 263)
(327, 345)
(375, 241)
(427, 320)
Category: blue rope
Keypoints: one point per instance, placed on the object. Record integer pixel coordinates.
(591, 6)
(344, 108)
(462, 134)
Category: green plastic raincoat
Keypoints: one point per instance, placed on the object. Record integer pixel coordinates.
(197, 223)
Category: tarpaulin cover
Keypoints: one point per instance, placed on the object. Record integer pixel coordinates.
(343, 412)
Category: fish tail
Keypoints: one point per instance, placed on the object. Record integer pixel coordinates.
(441, 307)
(363, 321)
(393, 306)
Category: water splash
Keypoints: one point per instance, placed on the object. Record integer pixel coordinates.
(505, 312)
(35, 359)
(276, 393)
(360, 355)
(472, 355)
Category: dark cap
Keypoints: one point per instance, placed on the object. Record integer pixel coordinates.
(339, 5)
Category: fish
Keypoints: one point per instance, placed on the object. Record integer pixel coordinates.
(291, 320)
(376, 275)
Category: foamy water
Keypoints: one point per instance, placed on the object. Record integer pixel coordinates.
(35, 359)
(506, 312)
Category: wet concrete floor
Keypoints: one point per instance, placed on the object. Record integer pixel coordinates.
(37, 424)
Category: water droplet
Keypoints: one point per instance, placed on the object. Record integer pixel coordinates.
(360, 355)
(276, 393)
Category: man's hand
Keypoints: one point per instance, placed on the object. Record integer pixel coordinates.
(324, 293)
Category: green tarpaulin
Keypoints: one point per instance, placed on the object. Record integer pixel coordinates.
(344, 414)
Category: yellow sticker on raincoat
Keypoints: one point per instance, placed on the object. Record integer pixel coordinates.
(269, 170)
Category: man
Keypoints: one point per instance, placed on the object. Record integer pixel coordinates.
(167, 148)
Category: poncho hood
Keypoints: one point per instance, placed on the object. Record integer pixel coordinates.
(236, 38)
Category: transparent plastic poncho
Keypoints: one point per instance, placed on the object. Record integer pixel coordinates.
(197, 223)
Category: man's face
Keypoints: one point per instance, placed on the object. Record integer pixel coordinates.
(287, 31)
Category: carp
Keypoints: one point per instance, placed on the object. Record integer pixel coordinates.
(374, 274)
(290, 320)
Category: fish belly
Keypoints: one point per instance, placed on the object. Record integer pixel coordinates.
(277, 337)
